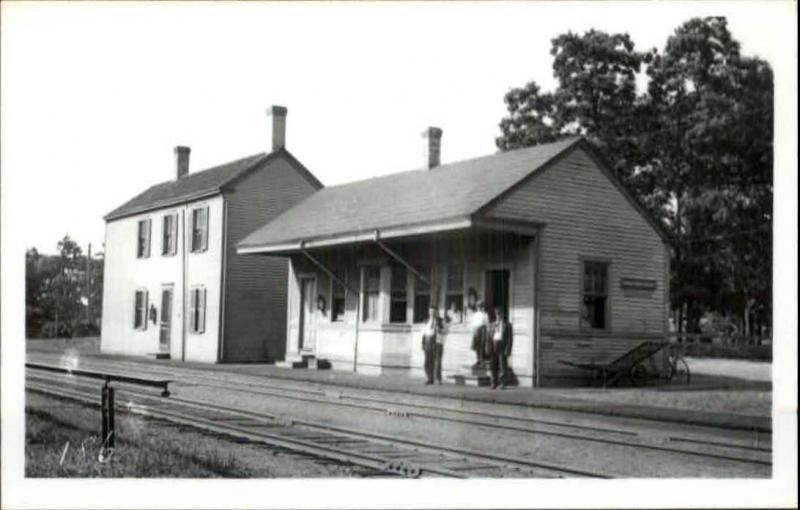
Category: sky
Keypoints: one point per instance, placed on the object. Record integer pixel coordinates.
(96, 95)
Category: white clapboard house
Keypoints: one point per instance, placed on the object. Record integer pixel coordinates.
(174, 285)
(547, 234)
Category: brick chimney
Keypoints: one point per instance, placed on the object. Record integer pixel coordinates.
(434, 136)
(278, 114)
(181, 161)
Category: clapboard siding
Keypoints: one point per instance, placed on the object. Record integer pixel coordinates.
(255, 299)
(586, 216)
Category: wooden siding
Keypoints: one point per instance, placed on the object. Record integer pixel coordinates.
(587, 217)
(255, 299)
(385, 347)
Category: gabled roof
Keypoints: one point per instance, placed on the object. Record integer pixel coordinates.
(442, 198)
(446, 193)
(204, 183)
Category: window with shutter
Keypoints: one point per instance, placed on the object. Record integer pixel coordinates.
(143, 239)
(169, 244)
(140, 310)
(198, 310)
(200, 229)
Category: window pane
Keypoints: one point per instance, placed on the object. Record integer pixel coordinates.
(421, 304)
(454, 308)
(372, 279)
(397, 311)
(455, 278)
(338, 299)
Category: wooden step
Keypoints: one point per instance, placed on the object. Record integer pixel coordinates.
(471, 380)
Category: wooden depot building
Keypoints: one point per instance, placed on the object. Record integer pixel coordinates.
(546, 233)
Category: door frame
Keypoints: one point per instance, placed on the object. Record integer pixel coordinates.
(500, 266)
(301, 325)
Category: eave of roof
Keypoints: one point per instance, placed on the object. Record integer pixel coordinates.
(203, 184)
(309, 222)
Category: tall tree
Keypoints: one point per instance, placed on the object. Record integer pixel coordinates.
(710, 147)
(595, 97)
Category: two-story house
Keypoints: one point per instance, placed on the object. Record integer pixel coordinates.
(174, 285)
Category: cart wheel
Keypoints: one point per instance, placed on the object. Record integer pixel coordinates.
(638, 374)
(679, 371)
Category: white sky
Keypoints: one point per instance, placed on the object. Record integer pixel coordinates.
(96, 95)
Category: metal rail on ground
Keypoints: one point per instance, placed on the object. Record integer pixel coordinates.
(404, 451)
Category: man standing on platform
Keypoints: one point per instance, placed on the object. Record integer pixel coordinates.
(433, 346)
(479, 325)
(501, 341)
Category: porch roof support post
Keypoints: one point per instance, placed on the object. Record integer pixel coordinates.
(343, 284)
(398, 258)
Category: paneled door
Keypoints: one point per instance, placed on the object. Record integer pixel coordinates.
(165, 334)
(308, 314)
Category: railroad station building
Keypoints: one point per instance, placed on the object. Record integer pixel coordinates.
(174, 286)
(547, 234)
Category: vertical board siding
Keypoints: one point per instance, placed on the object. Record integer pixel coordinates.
(256, 293)
(586, 216)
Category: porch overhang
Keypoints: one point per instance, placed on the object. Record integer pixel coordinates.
(397, 232)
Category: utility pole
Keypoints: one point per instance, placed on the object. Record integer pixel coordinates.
(88, 282)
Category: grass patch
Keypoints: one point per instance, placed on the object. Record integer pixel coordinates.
(709, 350)
(63, 441)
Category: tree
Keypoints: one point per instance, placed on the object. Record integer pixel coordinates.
(61, 292)
(695, 150)
(710, 147)
(595, 97)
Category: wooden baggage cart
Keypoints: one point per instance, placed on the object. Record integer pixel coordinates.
(631, 365)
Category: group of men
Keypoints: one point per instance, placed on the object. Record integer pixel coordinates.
(491, 341)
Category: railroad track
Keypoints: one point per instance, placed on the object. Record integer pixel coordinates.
(737, 452)
(380, 454)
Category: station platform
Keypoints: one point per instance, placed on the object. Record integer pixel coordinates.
(583, 400)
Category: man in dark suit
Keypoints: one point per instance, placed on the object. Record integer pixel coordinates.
(501, 340)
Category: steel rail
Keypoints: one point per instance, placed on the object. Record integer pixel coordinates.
(496, 416)
(307, 447)
(440, 417)
(498, 460)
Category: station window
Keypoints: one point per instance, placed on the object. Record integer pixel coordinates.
(399, 295)
(372, 292)
(338, 299)
(143, 239)
(140, 310)
(454, 297)
(422, 300)
(197, 310)
(200, 229)
(169, 244)
(594, 311)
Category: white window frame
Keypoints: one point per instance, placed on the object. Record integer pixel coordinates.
(365, 293)
(406, 272)
(334, 286)
(448, 292)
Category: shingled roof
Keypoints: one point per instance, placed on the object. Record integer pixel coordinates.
(199, 184)
(446, 193)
